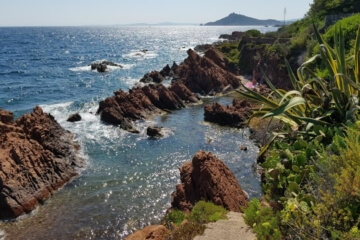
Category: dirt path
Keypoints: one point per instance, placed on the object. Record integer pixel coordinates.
(234, 228)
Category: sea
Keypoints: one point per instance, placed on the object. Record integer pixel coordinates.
(128, 178)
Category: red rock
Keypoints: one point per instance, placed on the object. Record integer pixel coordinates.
(6, 116)
(219, 59)
(183, 92)
(154, 232)
(152, 77)
(37, 156)
(207, 178)
(202, 75)
(234, 116)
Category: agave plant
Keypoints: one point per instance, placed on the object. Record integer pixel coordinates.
(316, 101)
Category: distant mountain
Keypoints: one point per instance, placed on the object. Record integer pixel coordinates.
(237, 19)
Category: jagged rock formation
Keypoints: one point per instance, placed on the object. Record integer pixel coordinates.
(202, 75)
(140, 103)
(152, 77)
(37, 156)
(208, 178)
(233, 116)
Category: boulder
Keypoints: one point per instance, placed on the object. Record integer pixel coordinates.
(233, 116)
(154, 132)
(74, 117)
(166, 71)
(37, 157)
(207, 178)
(152, 77)
(103, 66)
(153, 232)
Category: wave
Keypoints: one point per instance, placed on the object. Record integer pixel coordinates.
(142, 54)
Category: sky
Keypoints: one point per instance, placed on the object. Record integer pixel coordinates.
(113, 12)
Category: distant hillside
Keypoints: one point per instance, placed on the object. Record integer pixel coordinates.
(238, 19)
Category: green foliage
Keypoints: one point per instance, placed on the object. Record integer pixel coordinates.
(264, 221)
(253, 33)
(328, 7)
(349, 27)
(229, 49)
(176, 217)
(204, 212)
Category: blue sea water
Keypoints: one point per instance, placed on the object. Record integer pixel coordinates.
(128, 180)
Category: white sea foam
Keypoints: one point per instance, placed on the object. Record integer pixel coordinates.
(141, 54)
(80, 69)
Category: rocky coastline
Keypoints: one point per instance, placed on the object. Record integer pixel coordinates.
(37, 157)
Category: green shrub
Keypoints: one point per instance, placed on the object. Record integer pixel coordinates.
(263, 220)
(187, 231)
(349, 27)
(176, 217)
(253, 33)
(204, 212)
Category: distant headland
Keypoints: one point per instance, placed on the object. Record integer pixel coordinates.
(241, 20)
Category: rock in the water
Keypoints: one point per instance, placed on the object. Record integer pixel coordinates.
(233, 116)
(154, 132)
(103, 66)
(152, 77)
(202, 75)
(6, 116)
(153, 232)
(207, 178)
(37, 156)
(139, 103)
(74, 118)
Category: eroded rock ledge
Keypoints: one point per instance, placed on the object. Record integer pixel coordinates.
(37, 157)
(207, 178)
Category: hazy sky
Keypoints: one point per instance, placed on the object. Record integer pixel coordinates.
(107, 12)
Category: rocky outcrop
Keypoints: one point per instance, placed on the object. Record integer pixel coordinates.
(140, 103)
(152, 77)
(233, 116)
(234, 36)
(74, 117)
(202, 75)
(37, 157)
(183, 92)
(153, 232)
(207, 178)
(154, 132)
(219, 59)
(103, 66)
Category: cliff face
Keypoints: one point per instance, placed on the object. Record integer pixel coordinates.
(37, 157)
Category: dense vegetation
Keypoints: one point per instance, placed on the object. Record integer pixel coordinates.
(312, 167)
